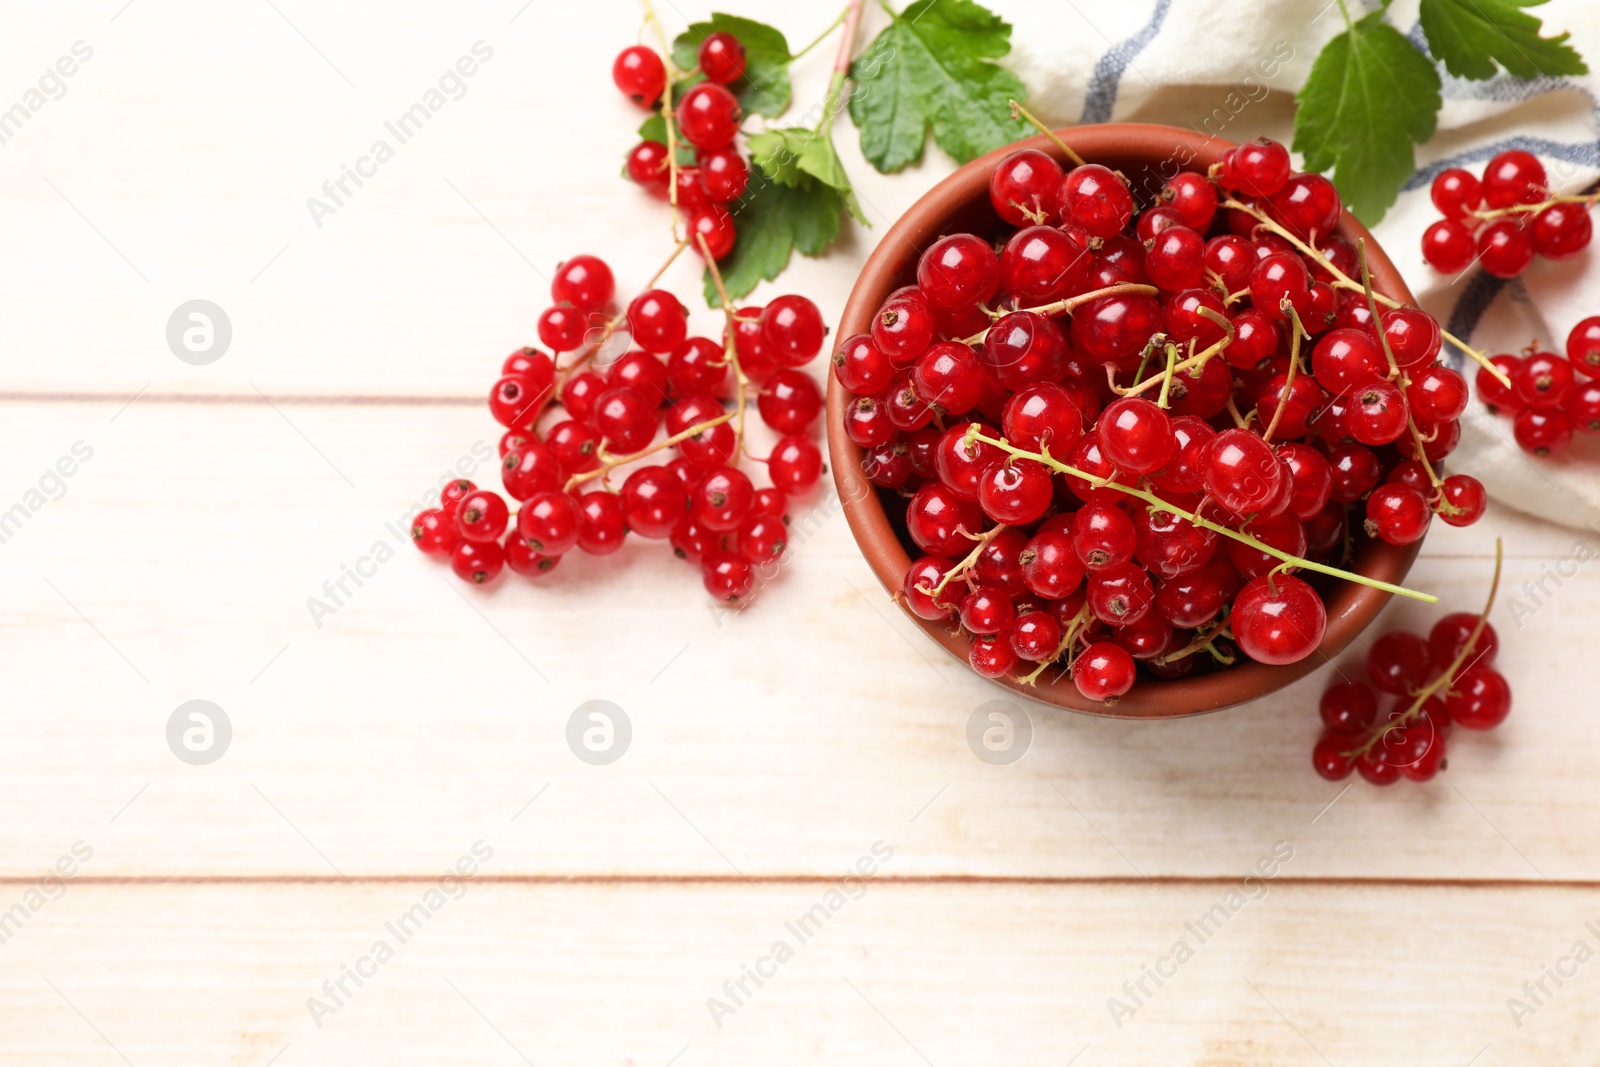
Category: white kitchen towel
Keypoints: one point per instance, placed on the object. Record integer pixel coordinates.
(1230, 68)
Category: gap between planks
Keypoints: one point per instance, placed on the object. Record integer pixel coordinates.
(1134, 881)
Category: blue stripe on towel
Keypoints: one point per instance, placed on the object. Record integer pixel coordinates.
(1102, 95)
(1469, 311)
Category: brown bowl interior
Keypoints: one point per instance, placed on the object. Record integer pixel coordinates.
(1147, 155)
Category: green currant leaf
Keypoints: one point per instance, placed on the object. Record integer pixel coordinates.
(790, 156)
(933, 67)
(764, 89)
(1470, 36)
(773, 221)
(1371, 96)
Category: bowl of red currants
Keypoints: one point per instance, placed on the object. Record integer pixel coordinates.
(1141, 423)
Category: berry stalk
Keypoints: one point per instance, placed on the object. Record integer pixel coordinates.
(1069, 636)
(971, 560)
(668, 113)
(730, 351)
(1148, 497)
(1489, 214)
(1441, 683)
(609, 463)
(1065, 307)
(1017, 110)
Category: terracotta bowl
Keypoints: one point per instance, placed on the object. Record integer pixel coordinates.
(1147, 155)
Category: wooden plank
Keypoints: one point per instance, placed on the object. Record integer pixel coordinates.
(1277, 973)
(765, 743)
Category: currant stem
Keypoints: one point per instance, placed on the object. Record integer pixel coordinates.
(1194, 362)
(960, 569)
(1395, 373)
(841, 69)
(1069, 637)
(730, 350)
(1148, 497)
(1166, 377)
(1341, 280)
(1518, 209)
(609, 463)
(823, 36)
(1205, 641)
(1469, 647)
(1294, 366)
(1018, 110)
(1070, 304)
(667, 112)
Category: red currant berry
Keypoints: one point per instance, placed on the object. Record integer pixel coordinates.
(1016, 492)
(1278, 619)
(1241, 471)
(1584, 407)
(709, 116)
(653, 502)
(1348, 708)
(1308, 205)
(1171, 546)
(1025, 186)
(721, 58)
(1504, 248)
(728, 578)
(1355, 471)
(795, 465)
(1280, 276)
(958, 271)
(549, 522)
(1397, 514)
(1329, 760)
(903, 328)
(762, 539)
(1176, 259)
(1259, 167)
(1311, 480)
(1399, 662)
(722, 499)
(1034, 636)
(1413, 336)
(435, 532)
(697, 367)
(524, 560)
(1094, 199)
(1194, 197)
(647, 166)
(1345, 359)
(1378, 413)
(724, 174)
(1121, 595)
(1583, 347)
(515, 402)
(657, 321)
(1449, 246)
(1024, 348)
(941, 523)
(1438, 394)
(1543, 380)
(1450, 635)
(626, 418)
(640, 74)
(562, 329)
(1050, 565)
(987, 610)
(948, 374)
(1301, 400)
(1135, 435)
(792, 330)
(533, 468)
(581, 393)
(866, 422)
(1542, 433)
(1514, 177)
(1043, 263)
(603, 527)
(789, 402)
(924, 576)
(713, 224)
(478, 562)
(1104, 672)
(1479, 698)
(482, 516)
(1495, 393)
(1115, 329)
(1042, 416)
(1462, 500)
(992, 657)
(641, 371)
(1562, 230)
(1456, 193)
(585, 282)
(1374, 766)
(1283, 532)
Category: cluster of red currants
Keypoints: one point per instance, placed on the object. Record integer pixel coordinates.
(707, 118)
(1443, 680)
(1549, 397)
(1503, 219)
(1072, 484)
(700, 501)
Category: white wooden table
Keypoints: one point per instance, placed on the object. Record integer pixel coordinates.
(421, 722)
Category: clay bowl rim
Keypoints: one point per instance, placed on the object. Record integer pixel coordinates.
(1351, 606)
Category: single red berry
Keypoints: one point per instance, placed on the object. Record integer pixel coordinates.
(626, 418)
(1025, 187)
(533, 468)
(1176, 259)
(1514, 177)
(1348, 708)
(925, 574)
(549, 522)
(713, 224)
(1121, 595)
(1456, 193)
(697, 366)
(515, 402)
(653, 502)
(958, 270)
(1462, 500)
(941, 523)
(657, 321)
(1378, 413)
(1193, 196)
(745, 331)
(1495, 393)
(524, 560)
(1016, 492)
(904, 327)
(1259, 167)
(1034, 636)
(761, 539)
(1399, 662)
(603, 528)
(987, 610)
(1278, 619)
(727, 577)
(1241, 471)
(1094, 199)
(647, 167)
(1345, 359)
(722, 58)
(482, 516)
(1543, 433)
(724, 174)
(640, 74)
(562, 329)
(1281, 277)
(641, 371)
(1479, 698)
(1115, 329)
(1374, 766)
(1308, 205)
(1505, 249)
(795, 465)
(722, 499)
(1543, 380)
(478, 561)
(1562, 230)
(709, 116)
(789, 402)
(861, 366)
(992, 657)
(1449, 246)
(792, 330)
(585, 282)
(1234, 260)
(1023, 349)
(1450, 635)
(1104, 672)
(581, 393)
(1583, 347)
(1438, 394)
(1329, 759)
(435, 532)
(1397, 514)
(948, 374)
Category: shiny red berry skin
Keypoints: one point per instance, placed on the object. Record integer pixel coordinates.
(524, 560)
(585, 282)
(533, 468)
(1121, 595)
(795, 465)
(722, 499)
(1456, 193)
(581, 393)
(1311, 479)
(1449, 246)
(1563, 230)
(1583, 347)
(1050, 566)
(1193, 196)
(1464, 500)
(1301, 400)
(866, 422)
(861, 366)
(482, 516)
(1034, 636)
(1308, 205)
(1450, 634)
(792, 330)
(1542, 433)
(1514, 177)
(958, 270)
(549, 522)
(515, 402)
(1397, 514)
(1017, 492)
(1259, 167)
(626, 418)
(727, 577)
(1115, 329)
(1241, 471)
(657, 321)
(1171, 546)
(1025, 186)
(925, 574)
(1348, 708)
(1413, 336)
(722, 58)
(1094, 199)
(1103, 537)
(1479, 698)
(1438, 394)
(1495, 393)
(1279, 277)
(1043, 263)
(1104, 672)
(789, 401)
(709, 116)
(1176, 259)
(697, 366)
(1022, 349)
(1278, 619)
(992, 657)
(603, 527)
(1505, 249)
(641, 371)
(640, 74)
(1399, 662)
(1378, 413)
(1042, 416)
(939, 521)
(562, 329)
(713, 224)
(647, 166)
(1375, 768)
(653, 502)
(1344, 359)
(903, 328)
(724, 174)
(987, 610)
(1283, 532)
(435, 532)
(1329, 760)
(948, 374)
(1135, 435)
(1543, 381)
(478, 562)
(761, 539)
